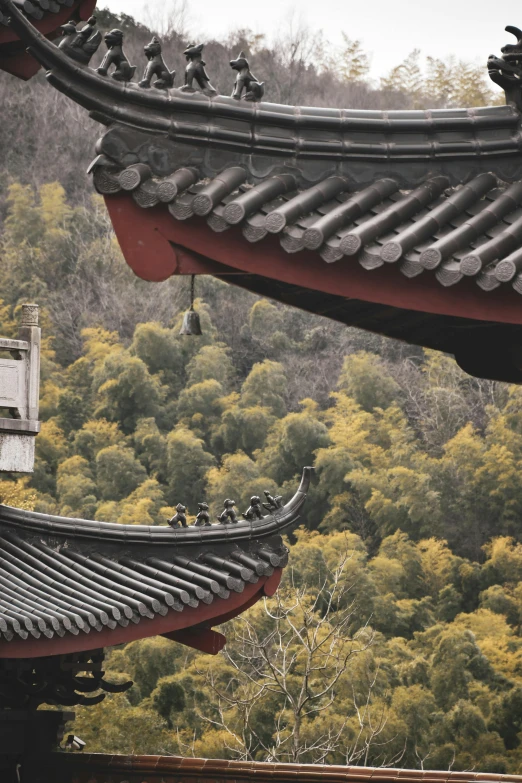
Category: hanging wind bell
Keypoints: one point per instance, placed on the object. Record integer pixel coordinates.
(191, 323)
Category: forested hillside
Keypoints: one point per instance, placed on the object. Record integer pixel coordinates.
(404, 588)
(418, 502)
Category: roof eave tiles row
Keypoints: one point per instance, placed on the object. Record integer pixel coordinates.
(474, 230)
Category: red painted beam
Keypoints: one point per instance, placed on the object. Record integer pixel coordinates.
(15, 60)
(209, 641)
(215, 613)
(203, 639)
(144, 236)
(20, 64)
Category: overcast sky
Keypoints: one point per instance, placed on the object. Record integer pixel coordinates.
(388, 29)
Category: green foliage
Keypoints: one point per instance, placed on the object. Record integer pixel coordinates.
(167, 697)
(17, 494)
(76, 488)
(159, 349)
(187, 466)
(237, 478)
(118, 472)
(125, 389)
(414, 690)
(292, 443)
(265, 386)
(353, 64)
(449, 82)
(418, 477)
(212, 362)
(364, 378)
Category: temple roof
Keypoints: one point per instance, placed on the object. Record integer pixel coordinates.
(37, 9)
(68, 585)
(406, 223)
(301, 133)
(434, 263)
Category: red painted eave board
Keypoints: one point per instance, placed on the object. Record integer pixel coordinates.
(145, 236)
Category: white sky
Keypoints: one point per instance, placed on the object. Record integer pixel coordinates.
(388, 29)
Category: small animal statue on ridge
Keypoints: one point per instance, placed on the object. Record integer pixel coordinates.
(156, 67)
(196, 70)
(203, 517)
(228, 514)
(273, 502)
(180, 517)
(254, 509)
(506, 71)
(246, 81)
(123, 70)
(80, 45)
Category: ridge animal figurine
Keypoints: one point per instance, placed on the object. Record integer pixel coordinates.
(506, 71)
(273, 502)
(195, 70)
(254, 509)
(228, 514)
(80, 45)
(156, 67)
(203, 517)
(246, 81)
(123, 70)
(179, 517)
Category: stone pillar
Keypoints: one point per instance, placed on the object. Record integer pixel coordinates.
(19, 394)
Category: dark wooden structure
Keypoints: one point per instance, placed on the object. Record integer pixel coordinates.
(70, 585)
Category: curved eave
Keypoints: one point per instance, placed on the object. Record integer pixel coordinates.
(149, 237)
(154, 246)
(171, 625)
(81, 529)
(272, 129)
(13, 56)
(72, 585)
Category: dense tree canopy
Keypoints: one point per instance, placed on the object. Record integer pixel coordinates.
(410, 553)
(422, 671)
(418, 496)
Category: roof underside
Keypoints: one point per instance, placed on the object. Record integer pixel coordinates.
(449, 233)
(465, 238)
(483, 349)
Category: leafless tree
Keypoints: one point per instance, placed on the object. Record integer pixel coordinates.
(169, 19)
(296, 669)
